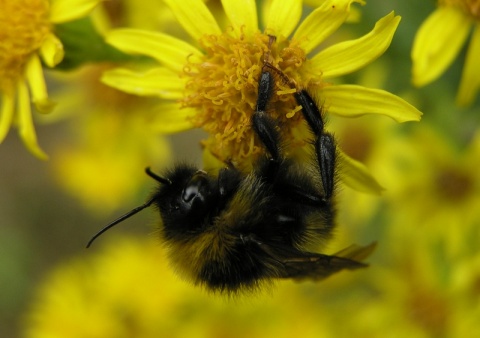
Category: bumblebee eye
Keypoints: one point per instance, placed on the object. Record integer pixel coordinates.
(196, 188)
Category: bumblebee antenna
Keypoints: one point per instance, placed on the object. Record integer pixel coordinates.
(266, 56)
(134, 211)
(121, 219)
(156, 177)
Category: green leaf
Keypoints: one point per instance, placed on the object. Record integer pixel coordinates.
(83, 44)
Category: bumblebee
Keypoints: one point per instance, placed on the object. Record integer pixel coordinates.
(232, 231)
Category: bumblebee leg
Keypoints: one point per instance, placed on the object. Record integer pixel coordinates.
(264, 125)
(228, 181)
(324, 143)
(265, 90)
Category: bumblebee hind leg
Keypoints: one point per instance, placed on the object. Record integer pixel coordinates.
(325, 148)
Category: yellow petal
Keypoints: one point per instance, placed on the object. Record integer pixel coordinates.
(159, 82)
(52, 50)
(470, 83)
(26, 129)
(242, 15)
(355, 15)
(349, 56)
(68, 10)
(168, 50)
(169, 118)
(356, 175)
(195, 17)
(437, 43)
(283, 17)
(352, 101)
(38, 88)
(6, 115)
(322, 22)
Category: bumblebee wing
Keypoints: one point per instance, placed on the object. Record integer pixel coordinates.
(296, 264)
(357, 252)
(317, 266)
(306, 265)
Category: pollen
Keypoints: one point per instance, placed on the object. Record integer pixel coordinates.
(24, 24)
(471, 7)
(223, 88)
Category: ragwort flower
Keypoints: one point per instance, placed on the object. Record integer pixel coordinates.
(433, 186)
(440, 39)
(26, 36)
(420, 293)
(212, 83)
(141, 297)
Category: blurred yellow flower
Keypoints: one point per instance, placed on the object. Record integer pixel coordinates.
(111, 142)
(429, 283)
(149, 15)
(212, 82)
(26, 35)
(424, 275)
(440, 39)
(418, 293)
(362, 139)
(128, 290)
(433, 186)
(370, 134)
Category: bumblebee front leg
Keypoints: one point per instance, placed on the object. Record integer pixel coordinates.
(264, 125)
(325, 148)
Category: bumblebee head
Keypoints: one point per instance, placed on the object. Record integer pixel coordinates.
(185, 196)
(196, 193)
(185, 202)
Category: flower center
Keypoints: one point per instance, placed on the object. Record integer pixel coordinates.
(454, 185)
(429, 311)
(223, 88)
(358, 147)
(471, 7)
(23, 27)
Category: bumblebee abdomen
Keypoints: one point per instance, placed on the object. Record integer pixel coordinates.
(239, 270)
(223, 263)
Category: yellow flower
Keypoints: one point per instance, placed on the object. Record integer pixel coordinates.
(440, 39)
(425, 286)
(432, 186)
(212, 82)
(370, 134)
(419, 294)
(26, 35)
(424, 280)
(128, 290)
